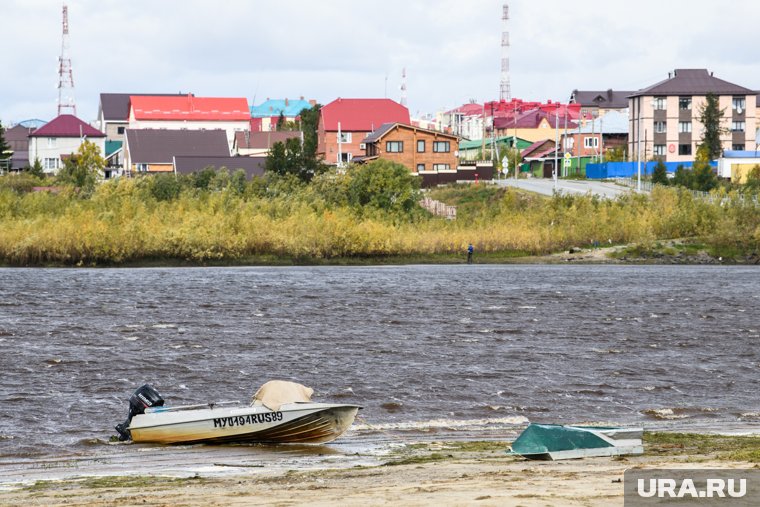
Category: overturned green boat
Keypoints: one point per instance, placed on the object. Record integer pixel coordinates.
(554, 441)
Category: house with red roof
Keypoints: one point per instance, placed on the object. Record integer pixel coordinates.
(344, 123)
(189, 112)
(59, 139)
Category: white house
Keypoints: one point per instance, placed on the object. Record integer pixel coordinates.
(59, 139)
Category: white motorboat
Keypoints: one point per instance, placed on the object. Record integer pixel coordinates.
(280, 412)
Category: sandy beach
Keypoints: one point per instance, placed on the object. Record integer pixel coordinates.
(424, 474)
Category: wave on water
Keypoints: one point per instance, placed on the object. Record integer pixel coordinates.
(670, 414)
(434, 424)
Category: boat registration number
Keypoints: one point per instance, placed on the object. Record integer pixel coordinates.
(242, 420)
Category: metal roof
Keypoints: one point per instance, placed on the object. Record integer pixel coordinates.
(67, 125)
(273, 107)
(614, 122)
(478, 143)
(253, 166)
(115, 106)
(362, 115)
(609, 99)
(263, 140)
(190, 108)
(693, 82)
(159, 146)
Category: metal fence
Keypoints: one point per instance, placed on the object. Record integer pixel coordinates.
(648, 186)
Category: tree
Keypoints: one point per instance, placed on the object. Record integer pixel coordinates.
(711, 116)
(705, 178)
(83, 168)
(660, 174)
(281, 122)
(310, 127)
(683, 177)
(5, 149)
(36, 169)
(615, 154)
(383, 185)
(753, 180)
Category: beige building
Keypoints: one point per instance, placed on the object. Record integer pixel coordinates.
(664, 118)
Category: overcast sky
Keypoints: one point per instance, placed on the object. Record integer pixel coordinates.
(346, 48)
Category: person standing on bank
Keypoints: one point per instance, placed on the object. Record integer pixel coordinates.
(470, 249)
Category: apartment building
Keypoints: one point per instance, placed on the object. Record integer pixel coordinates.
(664, 118)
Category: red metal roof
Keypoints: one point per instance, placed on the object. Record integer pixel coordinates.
(362, 115)
(189, 108)
(67, 125)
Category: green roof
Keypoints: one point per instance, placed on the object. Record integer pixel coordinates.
(112, 146)
(478, 143)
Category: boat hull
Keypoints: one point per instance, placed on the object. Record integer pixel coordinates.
(293, 423)
(555, 442)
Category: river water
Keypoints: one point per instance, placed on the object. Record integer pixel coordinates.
(430, 352)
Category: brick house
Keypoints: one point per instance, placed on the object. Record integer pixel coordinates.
(344, 123)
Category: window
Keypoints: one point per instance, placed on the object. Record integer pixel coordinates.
(345, 137)
(421, 146)
(737, 147)
(441, 146)
(684, 149)
(120, 130)
(684, 103)
(143, 168)
(441, 167)
(569, 142)
(51, 142)
(739, 103)
(590, 142)
(659, 149)
(684, 127)
(660, 127)
(420, 168)
(737, 126)
(659, 103)
(51, 163)
(394, 146)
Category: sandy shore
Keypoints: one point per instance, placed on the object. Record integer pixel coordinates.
(431, 474)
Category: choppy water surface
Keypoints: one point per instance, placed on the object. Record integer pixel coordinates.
(429, 351)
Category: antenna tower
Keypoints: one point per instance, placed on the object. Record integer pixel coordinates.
(403, 86)
(505, 93)
(65, 73)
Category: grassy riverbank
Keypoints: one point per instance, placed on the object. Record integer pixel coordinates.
(277, 221)
(428, 473)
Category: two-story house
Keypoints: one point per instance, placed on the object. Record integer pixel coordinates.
(344, 123)
(190, 113)
(59, 139)
(664, 118)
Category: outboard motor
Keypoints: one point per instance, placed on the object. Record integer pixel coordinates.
(144, 397)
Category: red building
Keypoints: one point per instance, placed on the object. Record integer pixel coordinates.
(344, 123)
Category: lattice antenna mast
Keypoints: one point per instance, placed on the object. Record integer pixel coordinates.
(505, 93)
(403, 86)
(65, 73)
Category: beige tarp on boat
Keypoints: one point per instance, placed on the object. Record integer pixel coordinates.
(276, 393)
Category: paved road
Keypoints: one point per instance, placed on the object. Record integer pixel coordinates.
(545, 186)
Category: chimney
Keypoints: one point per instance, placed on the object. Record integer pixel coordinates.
(670, 76)
(286, 102)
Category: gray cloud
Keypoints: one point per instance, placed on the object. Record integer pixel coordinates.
(334, 48)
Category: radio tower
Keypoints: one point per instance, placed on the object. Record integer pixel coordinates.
(65, 73)
(403, 86)
(505, 93)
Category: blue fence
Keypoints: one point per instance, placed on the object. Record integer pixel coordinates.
(629, 169)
